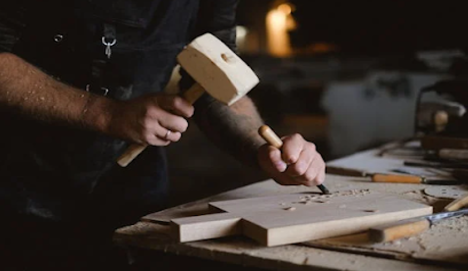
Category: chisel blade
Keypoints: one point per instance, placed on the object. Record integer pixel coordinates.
(439, 216)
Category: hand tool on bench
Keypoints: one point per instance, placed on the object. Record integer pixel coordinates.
(216, 69)
(384, 175)
(395, 178)
(415, 177)
(432, 164)
(270, 136)
(457, 204)
(409, 227)
(460, 174)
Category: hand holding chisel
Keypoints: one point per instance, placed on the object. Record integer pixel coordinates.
(276, 142)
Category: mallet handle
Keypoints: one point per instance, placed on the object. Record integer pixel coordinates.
(191, 95)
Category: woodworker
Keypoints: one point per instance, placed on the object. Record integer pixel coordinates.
(81, 80)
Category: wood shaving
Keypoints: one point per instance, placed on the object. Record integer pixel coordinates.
(321, 201)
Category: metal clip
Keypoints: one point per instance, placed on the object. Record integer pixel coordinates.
(105, 90)
(108, 45)
(58, 38)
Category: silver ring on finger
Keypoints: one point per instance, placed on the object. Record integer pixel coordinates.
(168, 133)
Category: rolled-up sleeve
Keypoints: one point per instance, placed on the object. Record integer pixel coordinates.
(217, 17)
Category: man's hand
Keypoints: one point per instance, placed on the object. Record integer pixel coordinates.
(297, 163)
(144, 120)
(147, 119)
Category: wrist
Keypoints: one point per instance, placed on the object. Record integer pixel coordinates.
(99, 113)
(251, 154)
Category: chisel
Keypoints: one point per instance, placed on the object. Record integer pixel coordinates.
(409, 227)
(395, 178)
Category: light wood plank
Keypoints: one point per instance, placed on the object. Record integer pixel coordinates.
(294, 218)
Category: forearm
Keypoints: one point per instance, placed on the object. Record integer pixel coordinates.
(232, 128)
(26, 90)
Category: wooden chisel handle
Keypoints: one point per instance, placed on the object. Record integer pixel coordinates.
(389, 178)
(270, 136)
(399, 229)
(273, 139)
(457, 204)
(191, 95)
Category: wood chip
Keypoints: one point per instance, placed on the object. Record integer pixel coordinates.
(371, 211)
(321, 201)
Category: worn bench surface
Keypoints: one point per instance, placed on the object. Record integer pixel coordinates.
(443, 247)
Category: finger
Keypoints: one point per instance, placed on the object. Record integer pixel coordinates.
(171, 136)
(292, 148)
(155, 140)
(320, 177)
(303, 163)
(158, 135)
(173, 122)
(275, 160)
(315, 173)
(165, 134)
(176, 105)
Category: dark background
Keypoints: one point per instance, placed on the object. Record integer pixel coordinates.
(370, 37)
(373, 27)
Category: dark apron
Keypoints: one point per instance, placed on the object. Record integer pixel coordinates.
(58, 173)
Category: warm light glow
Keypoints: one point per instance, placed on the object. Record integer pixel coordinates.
(278, 22)
(285, 8)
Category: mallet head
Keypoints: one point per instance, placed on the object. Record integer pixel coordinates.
(217, 69)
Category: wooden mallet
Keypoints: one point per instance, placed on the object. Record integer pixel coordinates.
(216, 69)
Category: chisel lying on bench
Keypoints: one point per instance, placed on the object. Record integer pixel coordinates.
(397, 178)
(409, 227)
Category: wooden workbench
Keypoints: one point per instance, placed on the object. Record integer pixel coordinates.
(443, 247)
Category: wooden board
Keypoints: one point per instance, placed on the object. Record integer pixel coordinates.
(153, 234)
(293, 218)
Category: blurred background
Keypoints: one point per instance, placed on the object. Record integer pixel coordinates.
(344, 74)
